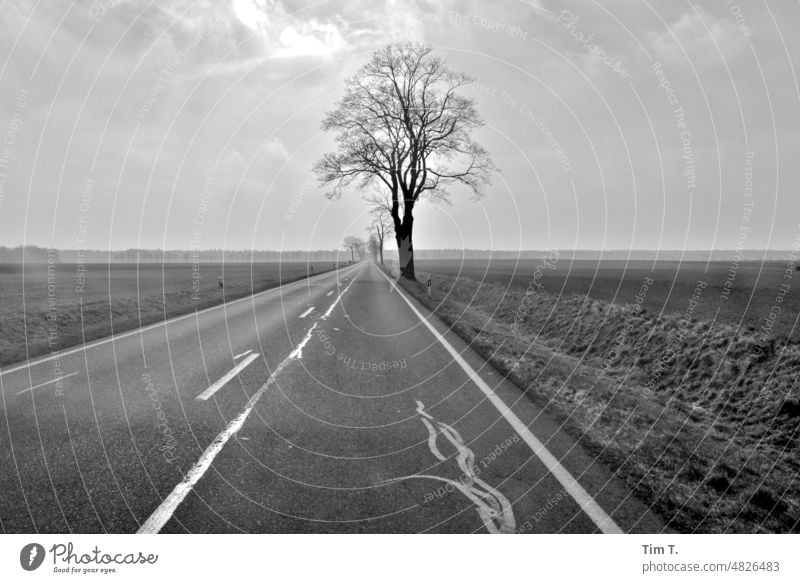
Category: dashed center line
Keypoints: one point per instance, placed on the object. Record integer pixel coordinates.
(168, 505)
(330, 293)
(307, 312)
(238, 356)
(205, 395)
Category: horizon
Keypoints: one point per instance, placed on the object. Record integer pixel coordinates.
(417, 248)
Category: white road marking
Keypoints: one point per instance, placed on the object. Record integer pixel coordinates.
(298, 351)
(282, 289)
(431, 431)
(238, 356)
(603, 521)
(330, 293)
(205, 395)
(56, 380)
(167, 508)
(493, 508)
(307, 312)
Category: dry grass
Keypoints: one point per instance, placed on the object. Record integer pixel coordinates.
(710, 440)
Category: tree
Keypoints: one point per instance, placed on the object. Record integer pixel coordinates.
(402, 124)
(381, 225)
(355, 245)
(373, 246)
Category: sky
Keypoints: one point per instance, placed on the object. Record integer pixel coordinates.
(614, 124)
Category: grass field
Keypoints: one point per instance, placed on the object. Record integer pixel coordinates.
(699, 416)
(37, 318)
(756, 285)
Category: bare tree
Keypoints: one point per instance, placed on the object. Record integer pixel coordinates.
(355, 245)
(373, 247)
(402, 124)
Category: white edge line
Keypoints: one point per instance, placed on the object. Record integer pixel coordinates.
(61, 378)
(167, 508)
(242, 354)
(205, 395)
(588, 504)
(307, 312)
(100, 342)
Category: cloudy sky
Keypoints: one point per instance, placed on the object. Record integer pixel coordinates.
(614, 123)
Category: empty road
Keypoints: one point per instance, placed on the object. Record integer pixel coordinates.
(334, 404)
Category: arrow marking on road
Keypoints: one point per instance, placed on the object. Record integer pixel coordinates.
(588, 504)
(205, 395)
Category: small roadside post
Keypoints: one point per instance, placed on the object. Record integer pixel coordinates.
(429, 288)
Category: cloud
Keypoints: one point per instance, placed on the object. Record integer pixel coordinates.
(698, 36)
(291, 34)
(311, 39)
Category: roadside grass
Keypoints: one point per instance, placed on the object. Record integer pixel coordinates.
(709, 440)
(617, 282)
(116, 301)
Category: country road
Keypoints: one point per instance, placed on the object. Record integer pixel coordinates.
(333, 404)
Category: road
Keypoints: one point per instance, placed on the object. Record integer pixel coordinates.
(333, 404)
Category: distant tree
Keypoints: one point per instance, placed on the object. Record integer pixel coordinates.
(381, 225)
(402, 124)
(374, 248)
(355, 245)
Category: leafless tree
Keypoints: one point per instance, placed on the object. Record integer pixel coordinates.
(373, 247)
(402, 124)
(355, 245)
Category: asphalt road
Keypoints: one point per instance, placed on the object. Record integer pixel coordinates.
(334, 404)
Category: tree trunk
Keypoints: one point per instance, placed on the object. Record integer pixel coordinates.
(380, 241)
(405, 247)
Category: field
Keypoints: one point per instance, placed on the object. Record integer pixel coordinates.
(698, 414)
(750, 301)
(95, 300)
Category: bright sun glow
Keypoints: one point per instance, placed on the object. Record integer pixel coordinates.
(251, 12)
(287, 37)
